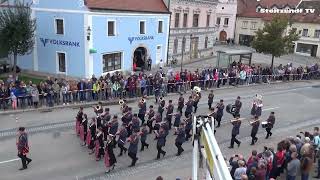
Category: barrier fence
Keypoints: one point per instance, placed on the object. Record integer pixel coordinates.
(89, 95)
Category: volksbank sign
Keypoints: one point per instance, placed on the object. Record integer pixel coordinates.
(46, 41)
(140, 38)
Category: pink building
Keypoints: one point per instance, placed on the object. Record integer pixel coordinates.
(226, 19)
(192, 28)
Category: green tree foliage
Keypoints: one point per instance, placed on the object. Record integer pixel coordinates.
(274, 39)
(17, 30)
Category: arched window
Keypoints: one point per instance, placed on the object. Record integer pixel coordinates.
(206, 43)
(175, 46)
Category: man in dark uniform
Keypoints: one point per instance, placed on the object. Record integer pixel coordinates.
(84, 124)
(180, 103)
(177, 119)
(180, 139)
(92, 129)
(220, 107)
(144, 134)
(255, 127)
(113, 128)
(100, 144)
(123, 134)
(157, 120)
(170, 109)
(210, 99)
(160, 142)
(125, 107)
(23, 148)
(271, 120)
(236, 123)
(142, 110)
(133, 148)
(196, 100)
(161, 106)
(150, 118)
(135, 124)
(238, 105)
(126, 120)
(188, 127)
(105, 120)
(79, 119)
(189, 107)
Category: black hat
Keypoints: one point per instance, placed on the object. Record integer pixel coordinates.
(21, 128)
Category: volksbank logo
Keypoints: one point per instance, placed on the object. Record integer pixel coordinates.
(46, 41)
(140, 38)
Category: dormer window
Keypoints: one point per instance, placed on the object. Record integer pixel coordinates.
(258, 8)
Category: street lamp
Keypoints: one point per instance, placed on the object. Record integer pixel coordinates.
(88, 33)
(182, 49)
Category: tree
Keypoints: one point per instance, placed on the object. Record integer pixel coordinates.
(17, 31)
(273, 38)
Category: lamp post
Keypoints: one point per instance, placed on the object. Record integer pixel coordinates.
(88, 33)
(182, 49)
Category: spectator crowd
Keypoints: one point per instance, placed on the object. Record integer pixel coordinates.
(293, 157)
(19, 94)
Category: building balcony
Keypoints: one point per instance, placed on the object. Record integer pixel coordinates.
(192, 30)
(309, 39)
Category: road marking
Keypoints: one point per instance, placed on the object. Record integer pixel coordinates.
(11, 160)
(272, 108)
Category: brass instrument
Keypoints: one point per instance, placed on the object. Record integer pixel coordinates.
(252, 122)
(197, 89)
(121, 102)
(236, 120)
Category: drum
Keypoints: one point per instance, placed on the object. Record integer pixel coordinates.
(230, 108)
(264, 124)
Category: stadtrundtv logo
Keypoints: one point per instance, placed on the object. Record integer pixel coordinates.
(296, 10)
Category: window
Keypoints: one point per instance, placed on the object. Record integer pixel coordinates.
(317, 33)
(226, 21)
(208, 20)
(305, 32)
(142, 27)
(59, 26)
(175, 46)
(177, 20)
(185, 19)
(244, 24)
(254, 25)
(160, 26)
(111, 28)
(206, 43)
(112, 62)
(61, 62)
(218, 21)
(195, 20)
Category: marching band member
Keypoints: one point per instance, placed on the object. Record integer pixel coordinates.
(188, 127)
(255, 127)
(113, 128)
(238, 105)
(143, 134)
(23, 147)
(150, 115)
(180, 139)
(161, 138)
(92, 129)
(99, 145)
(125, 107)
(157, 119)
(123, 134)
(180, 103)
(170, 109)
(133, 148)
(84, 129)
(236, 123)
(106, 117)
(196, 99)
(142, 110)
(109, 157)
(79, 119)
(220, 108)
(189, 107)
(135, 124)
(177, 119)
(256, 109)
(161, 106)
(270, 122)
(210, 99)
(126, 120)
(98, 109)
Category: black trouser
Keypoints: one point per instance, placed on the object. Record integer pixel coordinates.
(134, 158)
(187, 114)
(143, 144)
(188, 135)
(269, 133)
(101, 152)
(149, 123)
(219, 117)
(24, 160)
(195, 105)
(169, 119)
(160, 151)
(141, 117)
(234, 139)
(180, 109)
(179, 146)
(254, 138)
(210, 105)
(122, 148)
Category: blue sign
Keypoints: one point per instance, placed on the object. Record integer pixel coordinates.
(140, 38)
(46, 41)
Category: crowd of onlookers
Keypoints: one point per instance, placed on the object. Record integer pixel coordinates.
(293, 157)
(53, 91)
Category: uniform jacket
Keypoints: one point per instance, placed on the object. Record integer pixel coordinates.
(113, 127)
(142, 108)
(181, 102)
(236, 128)
(133, 147)
(255, 127)
(189, 106)
(123, 134)
(210, 98)
(220, 110)
(181, 136)
(271, 120)
(22, 142)
(161, 139)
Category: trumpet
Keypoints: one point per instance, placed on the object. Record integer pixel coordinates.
(121, 102)
(236, 120)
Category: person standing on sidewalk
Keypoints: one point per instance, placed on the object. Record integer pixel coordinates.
(23, 147)
(293, 167)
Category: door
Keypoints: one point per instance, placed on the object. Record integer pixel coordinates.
(223, 36)
(158, 54)
(314, 50)
(194, 47)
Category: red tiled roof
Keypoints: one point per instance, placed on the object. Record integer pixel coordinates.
(310, 17)
(157, 6)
